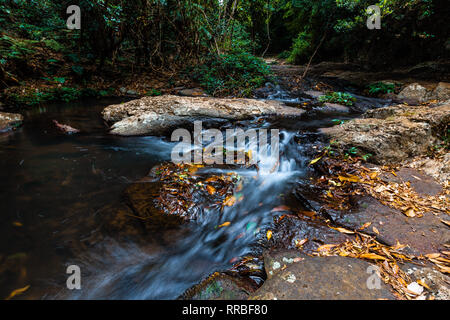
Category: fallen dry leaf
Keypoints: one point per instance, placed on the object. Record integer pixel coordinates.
(211, 190)
(17, 292)
(225, 224)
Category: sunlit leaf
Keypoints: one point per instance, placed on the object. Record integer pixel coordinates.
(17, 292)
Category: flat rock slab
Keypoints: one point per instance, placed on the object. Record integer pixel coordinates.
(423, 235)
(300, 277)
(153, 115)
(9, 120)
(422, 183)
(393, 134)
(290, 230)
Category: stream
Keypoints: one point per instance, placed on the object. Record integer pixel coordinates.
(53, 186)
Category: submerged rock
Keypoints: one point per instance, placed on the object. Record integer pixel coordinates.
(393, 134)
(65, 128)
(220, 286)
(153, 115)
(9, 121)
(295, 276)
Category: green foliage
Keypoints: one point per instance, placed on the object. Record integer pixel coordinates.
(54, 45)
(235, 73)
(301, 49)
(338, 97)
(153, 93)
(54, 94)
(380, 88)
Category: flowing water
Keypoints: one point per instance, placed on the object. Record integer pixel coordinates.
(53, 186)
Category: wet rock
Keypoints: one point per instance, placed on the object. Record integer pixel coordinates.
(423, 235)
(422, 183)
(300, 277)
(152, 115)
(9, 121)
(169, 196)
(220, 286)
(138, 213)
(436, 117)
(413, 94)
(438, 283)
(65, 128)
(314, 94)
(290, 230)
(441, 92)
(334, 108)
(437, 168)
(265, 92)
(393, 134)
(194, 92)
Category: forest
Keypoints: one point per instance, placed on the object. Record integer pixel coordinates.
(335, 184)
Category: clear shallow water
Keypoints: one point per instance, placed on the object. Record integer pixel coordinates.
(53, 186)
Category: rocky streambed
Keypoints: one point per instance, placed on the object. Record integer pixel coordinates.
(299, 220)
(356, 197)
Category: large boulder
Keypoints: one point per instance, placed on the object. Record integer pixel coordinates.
(441, 92)
(295, 276)
(9, 120)
(153, 115)
(414, 93)
(393, 134)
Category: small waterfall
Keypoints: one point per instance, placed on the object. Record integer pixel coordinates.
(129, 272)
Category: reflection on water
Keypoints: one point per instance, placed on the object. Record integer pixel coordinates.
(52, 185)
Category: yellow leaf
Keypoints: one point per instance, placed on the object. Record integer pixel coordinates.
(410, 213)
(343, 230)
(349, 179)
(269, 234)
(447, 223)
(433, 255)
(373, 175)
(299, 243)
(225, 224)
(230, 201)
(365, 225)
(17, 292)
(211, 190)
(423, 284)
(326, 247)
(315, 160)
(372, 256)
(376, 230)
(18, 224)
